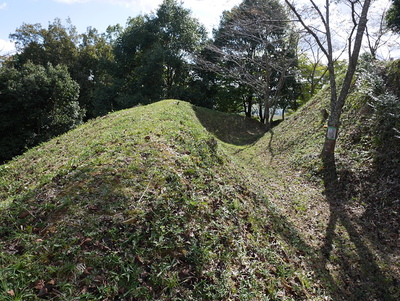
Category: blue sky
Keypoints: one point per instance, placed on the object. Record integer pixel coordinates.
(96, 13)
(102, 13)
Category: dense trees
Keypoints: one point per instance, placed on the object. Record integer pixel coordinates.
(393, 16)
(153, 54)
(61, 44)
(36, 103)
(251, 65)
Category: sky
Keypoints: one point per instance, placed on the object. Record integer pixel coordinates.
(102, 13)
(96, 13)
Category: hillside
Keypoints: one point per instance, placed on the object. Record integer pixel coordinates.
(140, 204)
(352, 233)
(175, 202)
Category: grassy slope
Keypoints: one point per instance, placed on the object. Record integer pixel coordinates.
(147, 204)
(141, 204)
(352, 238)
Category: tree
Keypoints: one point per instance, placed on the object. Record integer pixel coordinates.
(380, 38)
(255, 46)
(358, 13)
(92, 67)
(83, 54)
(36, 104)
(393, 16)
(56, 45)
(153, 54)
(313, 72)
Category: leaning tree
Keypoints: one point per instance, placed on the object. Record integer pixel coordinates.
(355, 16)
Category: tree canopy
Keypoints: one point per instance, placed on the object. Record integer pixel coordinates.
(393, 16)
(255, 46)
(153, 54)
(36, 103)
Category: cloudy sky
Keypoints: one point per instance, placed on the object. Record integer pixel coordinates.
(96, 13)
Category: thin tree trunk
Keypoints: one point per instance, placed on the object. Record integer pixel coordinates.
(267, 91)
(248, 105)
(328, 151)
(278, 92)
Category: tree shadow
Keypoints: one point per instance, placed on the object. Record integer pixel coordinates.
(230, 128)
(345, 247)
(270, 148)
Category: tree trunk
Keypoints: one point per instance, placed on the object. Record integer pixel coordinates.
(267, 91)
(248, 105)
(266, 113)
(260, 112)
(328, 151)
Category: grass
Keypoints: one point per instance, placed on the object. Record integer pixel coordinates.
(174, 202)
(336, 233)
(141, 204)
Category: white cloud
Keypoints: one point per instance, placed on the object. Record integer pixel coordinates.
(127, 3)
(6, 47)
(3, 6)
(71, 1)
(208, 12)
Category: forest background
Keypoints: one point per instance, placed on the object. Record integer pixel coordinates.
(257, 62)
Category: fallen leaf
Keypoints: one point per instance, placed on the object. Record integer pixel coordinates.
(23, 214)
(43, 292)
(44, 288)
(11, 293)
(47, 288)
(138, 258)
(86, 241)
(39, 284)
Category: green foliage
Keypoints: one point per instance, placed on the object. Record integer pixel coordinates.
(88, 56)
(254, 50)
(36, 104)
(393, 16)
(152, 55)
(92, 68)
(55, 45)
(313, 75)
(372, 83)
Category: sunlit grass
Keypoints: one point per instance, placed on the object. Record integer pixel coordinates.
(171, 202)
(142, 203)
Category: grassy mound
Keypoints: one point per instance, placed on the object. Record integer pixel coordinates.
(140, 205)
(351, 234)
(175, 202)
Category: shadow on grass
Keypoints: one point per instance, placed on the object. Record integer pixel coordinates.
(230, 128)
(345, 266)
(355, 265)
